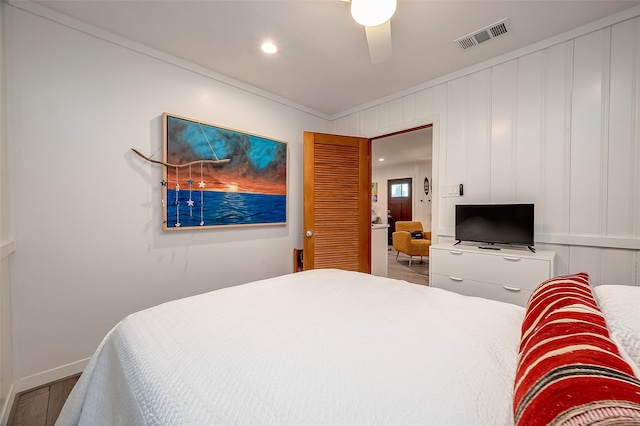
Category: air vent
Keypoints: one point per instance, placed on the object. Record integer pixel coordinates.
(498, 29)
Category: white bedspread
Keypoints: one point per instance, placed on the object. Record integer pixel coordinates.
(322, 347)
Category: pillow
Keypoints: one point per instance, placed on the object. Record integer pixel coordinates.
(620, 306)
(416, 235)
(569, 370)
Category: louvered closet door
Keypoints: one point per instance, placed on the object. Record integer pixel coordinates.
(337, 202)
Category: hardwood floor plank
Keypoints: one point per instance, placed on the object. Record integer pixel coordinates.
(41, 406)
(417, 273)
(31, 408)
(58, 394)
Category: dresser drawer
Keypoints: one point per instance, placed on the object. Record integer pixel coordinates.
(468, 287)
(505, 269)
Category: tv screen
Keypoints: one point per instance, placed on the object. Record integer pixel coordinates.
(495, 223)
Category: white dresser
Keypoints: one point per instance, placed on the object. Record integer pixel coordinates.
(508, 275)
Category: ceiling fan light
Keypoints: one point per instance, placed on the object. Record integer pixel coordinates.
(268, 47)
(371, 13)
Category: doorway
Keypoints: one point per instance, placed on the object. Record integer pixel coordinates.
(399, 202)
(406, 156)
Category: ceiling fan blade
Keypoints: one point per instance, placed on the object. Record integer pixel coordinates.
(379, 41)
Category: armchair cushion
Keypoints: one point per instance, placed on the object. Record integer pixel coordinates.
(408, 226)
(404, 243)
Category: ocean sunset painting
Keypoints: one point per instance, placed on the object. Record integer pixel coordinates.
(215, 176)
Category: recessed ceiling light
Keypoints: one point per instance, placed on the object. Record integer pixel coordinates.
(380, 159)
(269, 47)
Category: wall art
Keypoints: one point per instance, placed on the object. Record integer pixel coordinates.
(215, 176)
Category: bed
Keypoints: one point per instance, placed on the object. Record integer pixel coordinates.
(321, 347)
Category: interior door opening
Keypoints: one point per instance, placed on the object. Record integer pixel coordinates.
(403, 155)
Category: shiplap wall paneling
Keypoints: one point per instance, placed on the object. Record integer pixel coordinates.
(457, 132)
(438, 104)
(369, 120)
(382, 114)
(348, 125)
(562, 257)
(605, 265)
(585, 259)
(618, 266)
(528, 130)
(588, 134)
(503, 147)
(623, 136)
(374, 120)
(478, 134)
(454, 149)
(395, 112)
(424, 103)
(409, 108)
(557, 86)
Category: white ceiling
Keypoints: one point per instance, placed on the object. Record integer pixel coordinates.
(323, 62)
(404, 148)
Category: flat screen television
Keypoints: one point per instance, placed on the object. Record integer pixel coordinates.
(491, 224)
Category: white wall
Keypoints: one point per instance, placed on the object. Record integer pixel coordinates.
(555, 124)
(6, 245)
(89, 248)
(421, 209)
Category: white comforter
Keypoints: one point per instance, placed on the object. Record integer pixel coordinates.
(322, 347)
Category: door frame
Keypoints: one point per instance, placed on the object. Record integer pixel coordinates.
(434, 122)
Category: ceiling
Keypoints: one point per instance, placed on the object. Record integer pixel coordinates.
(403, 148)
(323, 62)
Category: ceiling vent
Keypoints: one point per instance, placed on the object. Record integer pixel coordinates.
(498, 29)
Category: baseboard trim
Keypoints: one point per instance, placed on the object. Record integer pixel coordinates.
(6, 407)
(49, 376)
(40, 379)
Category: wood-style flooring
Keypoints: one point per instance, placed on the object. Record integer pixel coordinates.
(41, 406)
(417, 273)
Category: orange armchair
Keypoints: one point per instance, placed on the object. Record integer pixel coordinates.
(402, 241)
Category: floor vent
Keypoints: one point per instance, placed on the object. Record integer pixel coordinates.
(485, 34)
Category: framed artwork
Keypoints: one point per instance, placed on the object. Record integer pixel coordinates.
(374, 192)
(214, 176)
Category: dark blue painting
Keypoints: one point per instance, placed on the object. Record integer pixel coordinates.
(215, 176)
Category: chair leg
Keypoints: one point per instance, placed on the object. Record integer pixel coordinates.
(410, 259)
(397, 254)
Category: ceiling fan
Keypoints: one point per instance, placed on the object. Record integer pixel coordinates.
(375, 16)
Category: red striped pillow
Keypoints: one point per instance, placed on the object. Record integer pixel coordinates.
(569, 371)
